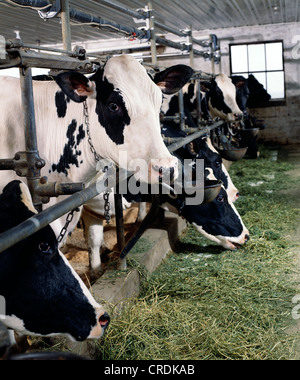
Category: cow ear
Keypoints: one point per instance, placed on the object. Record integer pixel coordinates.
(75, 85)
(173, 79)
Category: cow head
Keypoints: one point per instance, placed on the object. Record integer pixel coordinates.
(214, 166)
(222, 98)
(124, 107)
(242, 92)
(43, 294)
(218, 220)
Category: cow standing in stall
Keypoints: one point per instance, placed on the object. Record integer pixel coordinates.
(122, 104)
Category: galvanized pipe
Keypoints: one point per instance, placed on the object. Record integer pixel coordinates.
(18, 57)
(38, 221)
(65, 24)
(31, 148)
(41, 4)
(188, 139)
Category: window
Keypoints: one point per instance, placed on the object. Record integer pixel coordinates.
(264, 61)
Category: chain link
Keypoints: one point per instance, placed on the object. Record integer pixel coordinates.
(87, 124)
(97, 158)
(69, 219)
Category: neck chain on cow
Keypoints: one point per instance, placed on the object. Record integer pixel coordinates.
(87, 124)
(97, 158)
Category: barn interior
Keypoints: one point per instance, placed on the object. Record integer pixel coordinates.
(240, 37)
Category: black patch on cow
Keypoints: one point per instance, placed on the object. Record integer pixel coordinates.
(61, 101)
(217, 98)
(217, 218)
(110, 108)
(70, 153)
(37, 285)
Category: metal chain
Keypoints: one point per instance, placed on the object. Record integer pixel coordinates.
(69, 219)
(97, 158)
(87, 124)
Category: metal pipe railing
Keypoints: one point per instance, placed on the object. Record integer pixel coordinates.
(193, 136)
(38, 221)
(83, 17)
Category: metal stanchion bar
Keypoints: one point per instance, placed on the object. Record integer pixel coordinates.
(38, 221)
(18, 57)
(188, 139)
(83, 17)
(143, 15)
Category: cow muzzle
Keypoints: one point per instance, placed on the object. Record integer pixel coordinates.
(233, 245)
(103, 320)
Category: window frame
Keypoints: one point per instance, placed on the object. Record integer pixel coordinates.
(274, 101)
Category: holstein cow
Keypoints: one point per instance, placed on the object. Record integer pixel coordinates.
(221, 96)
(221, 93)
(43, 295)
(123, 106)
(250, 93)
(202, 148)
(218, 221)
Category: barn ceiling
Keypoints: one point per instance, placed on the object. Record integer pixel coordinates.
(201, 14)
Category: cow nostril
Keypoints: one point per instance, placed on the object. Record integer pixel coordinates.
(237, 195)
(247, 237)
(104, 320)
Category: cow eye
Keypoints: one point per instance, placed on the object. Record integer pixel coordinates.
(45, 247)
(218, 164)
(221, 198)
(113, 107)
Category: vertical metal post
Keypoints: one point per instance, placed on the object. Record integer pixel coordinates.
(212, 59)
(152, 34)
(198, 99)
(65, 25)
(190, 44)
(31, 148)
(181, 109)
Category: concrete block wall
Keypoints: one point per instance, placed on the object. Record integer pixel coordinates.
(283, 121)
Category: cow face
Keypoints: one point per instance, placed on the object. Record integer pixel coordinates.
(43, 294)
(222, 98)
(124, 104)
(214, 166)
(242, 92)
(218, 220)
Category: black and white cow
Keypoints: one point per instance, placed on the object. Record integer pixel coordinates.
(225, 94)
(43, 295)
(249, 93)
(218, 221)
(221, 98)
(123, 110)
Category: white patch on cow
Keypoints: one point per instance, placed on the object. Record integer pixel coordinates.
(231, 190)
(26, 198)
(13, 322)
(224, 241)
(211, 175)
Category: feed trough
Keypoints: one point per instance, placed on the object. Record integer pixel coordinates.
(233, 154)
